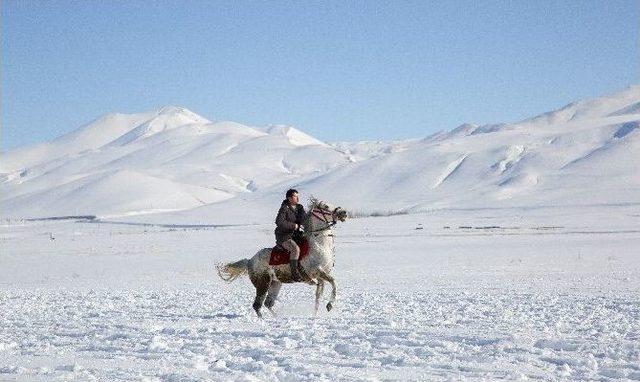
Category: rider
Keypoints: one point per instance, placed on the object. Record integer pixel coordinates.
(289, 220)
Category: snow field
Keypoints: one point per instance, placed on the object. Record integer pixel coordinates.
(545, 296)
(201, 335)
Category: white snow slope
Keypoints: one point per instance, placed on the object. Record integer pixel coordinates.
(174, 160)
(143, 163)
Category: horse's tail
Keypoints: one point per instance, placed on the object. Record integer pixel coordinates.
(231, 271)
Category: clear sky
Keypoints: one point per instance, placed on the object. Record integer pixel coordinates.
(338, 70)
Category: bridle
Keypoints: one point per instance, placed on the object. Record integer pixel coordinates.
(326, 216)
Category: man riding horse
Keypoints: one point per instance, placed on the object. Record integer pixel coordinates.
(268, 277)
(289, 227)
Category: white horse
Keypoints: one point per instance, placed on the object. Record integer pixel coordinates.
(317, 265)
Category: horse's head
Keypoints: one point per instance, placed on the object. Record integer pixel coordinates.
(325, 213)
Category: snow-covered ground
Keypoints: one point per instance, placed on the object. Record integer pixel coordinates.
(547, 293)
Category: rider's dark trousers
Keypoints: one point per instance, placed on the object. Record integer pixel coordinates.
(292, 247)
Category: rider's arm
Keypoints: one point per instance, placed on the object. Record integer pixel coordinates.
(283, 223)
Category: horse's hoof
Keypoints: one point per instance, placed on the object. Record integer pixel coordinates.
(269, 303)
(329, 307)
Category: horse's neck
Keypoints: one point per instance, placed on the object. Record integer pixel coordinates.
(322, 246)
(322, 239)
(321, 242)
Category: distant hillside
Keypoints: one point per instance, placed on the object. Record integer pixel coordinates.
(173, 160)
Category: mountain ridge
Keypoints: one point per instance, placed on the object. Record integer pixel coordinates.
(548, 158)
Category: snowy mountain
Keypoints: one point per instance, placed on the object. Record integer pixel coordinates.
(175, 160)
(171, 159)
(584, 153)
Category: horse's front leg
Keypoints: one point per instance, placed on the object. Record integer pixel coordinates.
(326, 276)
(319, 291)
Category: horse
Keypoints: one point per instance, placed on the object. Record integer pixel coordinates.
(316, 267)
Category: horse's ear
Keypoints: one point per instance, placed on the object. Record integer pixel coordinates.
(313, 200)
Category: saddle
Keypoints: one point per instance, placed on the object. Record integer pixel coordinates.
(279, 255)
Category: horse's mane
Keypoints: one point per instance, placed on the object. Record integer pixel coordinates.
(313, 202)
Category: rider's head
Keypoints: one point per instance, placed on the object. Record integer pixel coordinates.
(292, 196)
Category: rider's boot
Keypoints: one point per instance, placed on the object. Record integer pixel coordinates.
(295, 274)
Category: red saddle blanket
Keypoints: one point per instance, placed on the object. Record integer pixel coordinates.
(280, 255)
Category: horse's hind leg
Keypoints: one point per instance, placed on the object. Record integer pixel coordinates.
(272, 295)
(325, 276)
(319, 291)
(262, 286)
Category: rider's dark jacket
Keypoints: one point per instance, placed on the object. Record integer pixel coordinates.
(288, 217)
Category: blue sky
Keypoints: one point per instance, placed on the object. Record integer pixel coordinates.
(354, 70)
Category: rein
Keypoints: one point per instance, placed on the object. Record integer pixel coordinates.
(322, 214)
